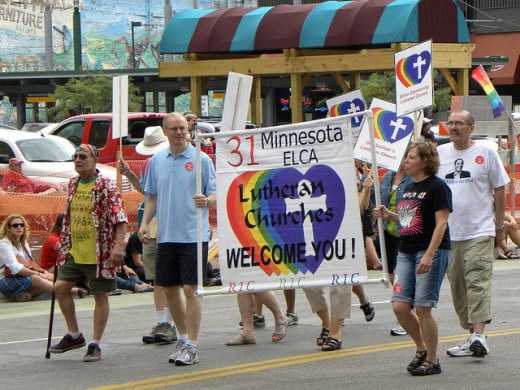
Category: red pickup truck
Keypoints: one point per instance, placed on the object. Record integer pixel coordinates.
(96, 129)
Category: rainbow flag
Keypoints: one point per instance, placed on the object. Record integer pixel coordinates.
(497, 105)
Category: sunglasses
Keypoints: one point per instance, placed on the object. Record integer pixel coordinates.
(16, 225)
(80, 156)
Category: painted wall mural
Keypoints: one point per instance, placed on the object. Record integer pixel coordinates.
(106, 33)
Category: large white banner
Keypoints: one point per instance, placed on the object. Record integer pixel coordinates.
(414, 78)
(287, 207)
(391, 136)
(349, 103)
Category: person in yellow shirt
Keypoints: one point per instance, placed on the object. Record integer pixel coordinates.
(92, 248)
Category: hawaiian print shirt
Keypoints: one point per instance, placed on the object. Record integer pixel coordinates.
(107, 212)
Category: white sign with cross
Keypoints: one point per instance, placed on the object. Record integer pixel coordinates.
(391, 136)
(349, 103)
(414, 78)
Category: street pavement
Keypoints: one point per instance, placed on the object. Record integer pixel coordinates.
(370, 357)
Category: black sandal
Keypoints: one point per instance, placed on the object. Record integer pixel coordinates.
(331, 344)
(427, 368)
(322, 337)
(420, 358)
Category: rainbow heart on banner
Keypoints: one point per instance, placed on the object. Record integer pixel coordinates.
(286, 209)
(390, 128)
(411, 70)
(349, 107)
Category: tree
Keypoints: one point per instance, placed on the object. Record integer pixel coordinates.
(379, 85)
(382, 86)
(90, 94)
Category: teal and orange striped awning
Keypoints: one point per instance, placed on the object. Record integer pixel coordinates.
(332, 24)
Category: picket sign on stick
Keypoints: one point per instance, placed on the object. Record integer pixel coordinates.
(119, 115)
(198, 184)
(417, 131)
(236, 101)
(383, 142)
(377, 193)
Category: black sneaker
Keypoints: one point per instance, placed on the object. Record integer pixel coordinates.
(67, 343)
(150, 338)
(93, 353)
(258, 321)
(368, 310)
(165, 334)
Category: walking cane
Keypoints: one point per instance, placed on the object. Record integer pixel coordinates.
(51, 315)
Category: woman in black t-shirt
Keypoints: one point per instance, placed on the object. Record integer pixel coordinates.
(424, 253)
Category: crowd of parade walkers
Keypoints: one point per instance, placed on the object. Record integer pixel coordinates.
(430, 230)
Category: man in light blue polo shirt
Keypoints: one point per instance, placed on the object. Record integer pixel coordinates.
(170, 192)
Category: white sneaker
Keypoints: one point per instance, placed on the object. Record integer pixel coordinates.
(178, 351)
(478, 347)
(398, 331)
(189, 356)
(462, 349)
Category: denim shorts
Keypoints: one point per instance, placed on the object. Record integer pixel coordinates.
(419, 290)
(16, 285)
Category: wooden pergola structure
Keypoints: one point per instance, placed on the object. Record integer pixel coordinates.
(342, 39)
(300, 65)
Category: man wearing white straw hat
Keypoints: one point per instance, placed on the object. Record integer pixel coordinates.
(164, 331)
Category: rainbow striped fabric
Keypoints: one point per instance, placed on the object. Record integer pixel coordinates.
(497, 105)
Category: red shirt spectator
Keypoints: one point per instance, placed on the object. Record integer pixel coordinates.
(48, 255)
(15, 181)
(49, 251)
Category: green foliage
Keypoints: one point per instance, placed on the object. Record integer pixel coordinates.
(442, 99)
(90, 94)
(379, 85)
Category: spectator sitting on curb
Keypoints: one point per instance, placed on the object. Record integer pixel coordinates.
(513, 232)
(127, 279)
(134, 256)
(21, 277)
(15, 181)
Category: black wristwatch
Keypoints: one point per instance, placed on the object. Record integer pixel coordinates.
(500, 228)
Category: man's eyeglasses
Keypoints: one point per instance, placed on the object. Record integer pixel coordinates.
(15, 225)
(456, 123)
(80, 156)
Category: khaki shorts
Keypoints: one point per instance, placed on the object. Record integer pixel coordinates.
(85, 273)
(470, 273)
(340, 300)
(149, 254)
